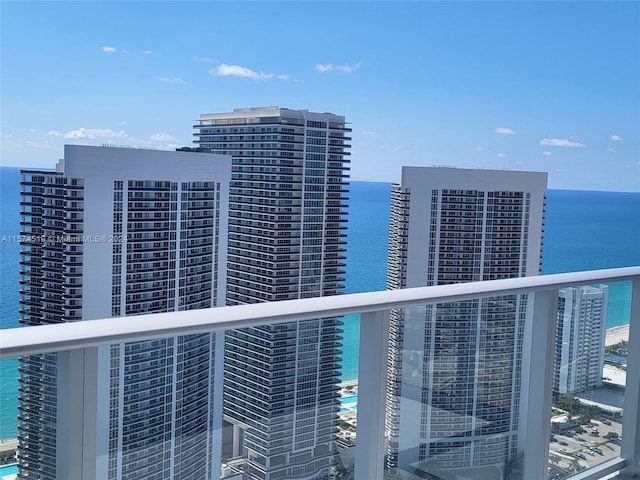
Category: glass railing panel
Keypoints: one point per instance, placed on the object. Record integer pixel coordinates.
(347, 423)
(455, 390)
(283, 400)
(9, 400)
(8, 415)
(589, 377)
(135, 410)
(155, 407)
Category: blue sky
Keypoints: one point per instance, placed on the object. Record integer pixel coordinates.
(530, 86)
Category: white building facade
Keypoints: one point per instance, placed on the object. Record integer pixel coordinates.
(287, 240)
(115, 232)
(580, 337)
(455, 370)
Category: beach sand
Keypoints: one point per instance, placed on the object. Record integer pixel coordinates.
(616, 335)
(348, 388)
(9, 444)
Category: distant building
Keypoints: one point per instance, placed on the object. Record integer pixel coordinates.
(116, 232)
(287, 237)
(581, 329)
(454, 385)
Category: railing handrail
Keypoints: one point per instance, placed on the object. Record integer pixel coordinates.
(16, 342)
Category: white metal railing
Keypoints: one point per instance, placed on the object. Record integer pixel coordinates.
(374, 307)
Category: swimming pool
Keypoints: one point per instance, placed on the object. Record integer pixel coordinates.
(348, 403)
(350, 399)
(8, 470)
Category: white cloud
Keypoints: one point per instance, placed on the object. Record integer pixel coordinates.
(158, 140)
(479, 149)
(94, 133)
(161, 137)
(107, 49)
(176, 80)
(203, 59)
(349, 68)
(615, 138)
(54, 133)
(148, 52)
(502, 155)
(611, 150)
(504, 131)
(33, 130)
(328, 67)
(546, 153)
(560, 142)
(369, 133)
(282, 77)
(225, 70)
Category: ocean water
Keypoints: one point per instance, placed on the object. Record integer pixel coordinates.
(9, 294)
(583, 231)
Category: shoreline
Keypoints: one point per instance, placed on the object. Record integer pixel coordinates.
(616, 335)
(8, 444)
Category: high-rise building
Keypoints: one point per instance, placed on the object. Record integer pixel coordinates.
(455, 372)
(287, 231)
(580, 335)
(115, 232)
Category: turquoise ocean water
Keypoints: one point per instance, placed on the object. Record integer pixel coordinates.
(583, 231)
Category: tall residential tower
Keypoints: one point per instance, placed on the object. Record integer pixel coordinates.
(455, 369)
(287, 228)
(581, 328)
(115, 232)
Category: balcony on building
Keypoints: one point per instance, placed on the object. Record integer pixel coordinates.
(607, 446)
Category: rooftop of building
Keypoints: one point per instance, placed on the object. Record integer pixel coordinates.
(252, 113)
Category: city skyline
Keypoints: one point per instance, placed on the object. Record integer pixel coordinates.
(527, 86)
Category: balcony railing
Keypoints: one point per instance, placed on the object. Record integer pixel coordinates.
(374, 309)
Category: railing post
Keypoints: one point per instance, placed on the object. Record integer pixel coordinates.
(540, 385)
(630, 449)
(372, 386)
(79, 456)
